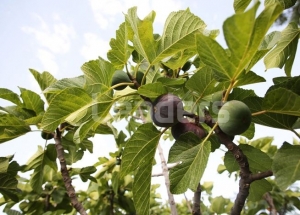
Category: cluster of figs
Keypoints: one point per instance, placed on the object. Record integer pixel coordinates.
(234, 117)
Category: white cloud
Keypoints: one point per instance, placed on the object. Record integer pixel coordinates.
(105, 10)
(94, 47)
(56, 38)
(48, 61)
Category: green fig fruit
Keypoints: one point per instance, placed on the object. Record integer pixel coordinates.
(234, 117)
(186, 66)
(47, 135)
(120, 77)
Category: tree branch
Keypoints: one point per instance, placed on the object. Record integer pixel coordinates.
(197, 200)
(188, 203)
(65, 174)
(167, 180)
(270, 202)
(246, 177)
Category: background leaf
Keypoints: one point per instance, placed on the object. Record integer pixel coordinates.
(285, 51)
(282, 101)
(274, 120)
(240, 5)
(258, 160)
(44, 80)
(11, 127)
(286, 165)
(10, 96)
(32, 101)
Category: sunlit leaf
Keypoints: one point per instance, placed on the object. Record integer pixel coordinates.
(44, 80)
(179, 33)
(32, 101)
(285, 51)
(240, 5)
(243, 34)
(143, 40)
(10, 96)
(120, 50)
(98, 75)
(12, 127)
(267, 44)
(65, 83)
(285, 3)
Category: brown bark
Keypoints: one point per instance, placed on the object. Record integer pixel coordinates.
(246, 177)
(65, 174)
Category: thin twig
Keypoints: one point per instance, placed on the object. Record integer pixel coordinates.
(296, 133)
(197, 200)
(270, 202)
(170, 166)
(167, 180)
(188, 203)
(65, 174)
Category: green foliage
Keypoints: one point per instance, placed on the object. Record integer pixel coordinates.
(184, 60)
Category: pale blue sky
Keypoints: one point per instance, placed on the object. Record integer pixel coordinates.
(59, 36)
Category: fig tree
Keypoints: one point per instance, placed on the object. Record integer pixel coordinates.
(167, 110)
(234, 117)
(185, 126)
(47, 135)
(120, 77)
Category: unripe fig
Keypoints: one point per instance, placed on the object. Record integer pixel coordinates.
(120, 77)
(185, 126)
(138, 78)
(167, 110)
(234, 117)
(186, 66)
(46, 135)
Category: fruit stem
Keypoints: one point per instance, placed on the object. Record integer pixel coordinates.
(231, 86)
(210, 132)
(259, 112)
(144, 77)
(121, 84)
(298, 135)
